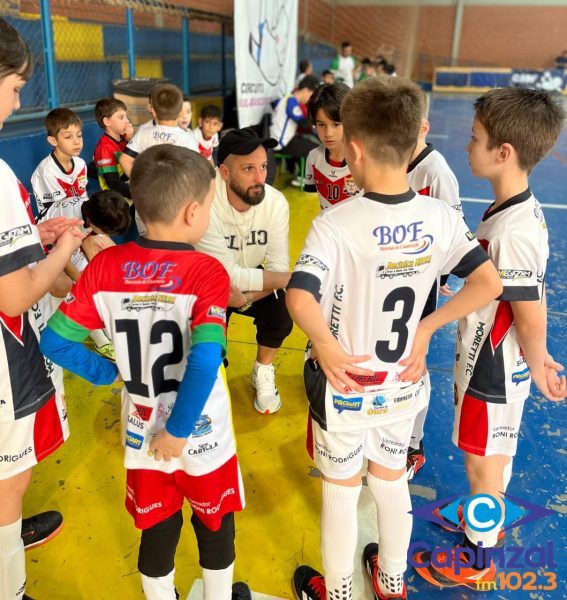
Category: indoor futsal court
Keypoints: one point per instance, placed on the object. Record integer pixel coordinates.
(96, 553)
(456, 50)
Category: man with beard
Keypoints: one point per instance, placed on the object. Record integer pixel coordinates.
(248, 234)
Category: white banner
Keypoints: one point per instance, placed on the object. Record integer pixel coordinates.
(265, 55)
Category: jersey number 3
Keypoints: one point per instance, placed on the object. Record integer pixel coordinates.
(406, 295)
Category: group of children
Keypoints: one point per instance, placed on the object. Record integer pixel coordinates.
(361, 290)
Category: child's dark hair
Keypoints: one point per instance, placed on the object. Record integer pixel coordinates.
(106, 107)
(329, 98)
(107, 210)
(304, 65)
(61, 118)
(186, 98)
(310, 82)
(529, 120)
(15, 55)
(211, 111)
(167, 101)
(326, 72)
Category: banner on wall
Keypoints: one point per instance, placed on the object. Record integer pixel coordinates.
(265, 55)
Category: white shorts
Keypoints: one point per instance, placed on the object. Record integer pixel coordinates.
(27, 441)
(486, 428)
(340, 455)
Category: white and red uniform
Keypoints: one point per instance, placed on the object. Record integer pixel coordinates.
(331, 180)
(155, 299)
(371, 263)
(50, 182)
(206, 146)
(33, 419)
(492, 378)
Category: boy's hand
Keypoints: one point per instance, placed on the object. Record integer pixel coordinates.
(415, 362)
(548, 382)
(93, 244)
(50, 230)
(166, 446)
(445, 290)
(236, 297)
(70, 239)
(335, 363)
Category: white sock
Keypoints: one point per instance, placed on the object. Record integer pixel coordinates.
(12, 561)
(393, 504)
(419, 423)
(217, 584)
(488, 538)
(99, 338)
(339, 535)
(507, 475)
(159, 588)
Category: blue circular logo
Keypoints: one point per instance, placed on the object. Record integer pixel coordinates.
(482, 512)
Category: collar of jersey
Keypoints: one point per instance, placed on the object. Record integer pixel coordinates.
(163, 245)
(333, 163)
(517, 199)
(391, 198)
(61, 167)
(425, 152)
(111, 138)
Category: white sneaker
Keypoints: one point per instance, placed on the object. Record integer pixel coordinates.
(296, 182)
(267, 399)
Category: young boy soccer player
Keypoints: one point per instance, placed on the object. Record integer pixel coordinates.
(364, 374)
(207, 134)
(186, 114)
(33, 421)
(502, 346)
(62, 174)
(326, 171)
(164, 305)
(111, 116)
(429, 175)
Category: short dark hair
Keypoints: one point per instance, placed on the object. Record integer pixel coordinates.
(167, 100)
(528, 120)
(310, 82)
(61, 118)
(106, 107)
(211, 111)
(328, 98)
(15, 55)
(304, 65)
(385, 114)
(346, 44)
(326, 72)
(108, 210)
(186, 98)
(165, 178)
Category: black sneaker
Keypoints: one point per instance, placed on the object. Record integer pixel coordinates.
(41, 528)
(370, 559)
(415, 460)
(240, 591)
(309, 584)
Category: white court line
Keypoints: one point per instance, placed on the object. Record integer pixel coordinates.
(482, 201)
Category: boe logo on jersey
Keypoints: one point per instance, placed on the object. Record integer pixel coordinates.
(410, 239)
(152, 272)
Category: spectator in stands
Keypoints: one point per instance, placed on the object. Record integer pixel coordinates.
(290, 114)
(561, 60)
(344, 64)
(248, 234)
(327, 77)
(305, 68)
(367, 69)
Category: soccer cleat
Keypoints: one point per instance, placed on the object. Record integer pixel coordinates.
(106, 351)
(267, 399)
(460, 528)
(240, 591)
(41, 528)
(415, 461)
(445, 575)
(309, 584)
(370, 559)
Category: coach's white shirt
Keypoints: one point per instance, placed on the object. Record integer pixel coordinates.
(243, 241)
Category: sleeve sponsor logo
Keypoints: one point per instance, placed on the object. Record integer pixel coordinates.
(513, 274)
(520, 376)
(469, 234)
(341, 403)
(104, 161)
(133, 440)
(12, 236)
(216, 312)
(311, 261)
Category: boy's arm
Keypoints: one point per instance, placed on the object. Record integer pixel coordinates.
(335, 362)
(126, 162)
(309, 181)
(483, 285)
(114, 182)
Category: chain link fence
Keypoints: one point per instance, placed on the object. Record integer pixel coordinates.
(80, 47)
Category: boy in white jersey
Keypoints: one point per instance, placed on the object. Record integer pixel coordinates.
(326, 171)
(165, 307)
(186, 114)
(501, 346)
(429, 175)
(207, 134)
(63, 174)
(364, 374)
